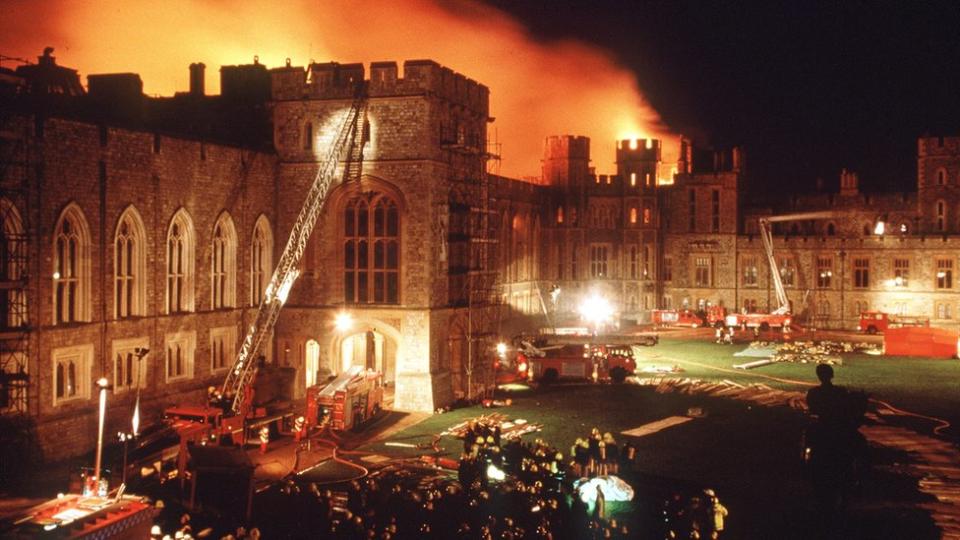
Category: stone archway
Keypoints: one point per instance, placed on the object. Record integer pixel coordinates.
(368, 348)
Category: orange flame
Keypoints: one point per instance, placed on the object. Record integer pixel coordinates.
(537, 89)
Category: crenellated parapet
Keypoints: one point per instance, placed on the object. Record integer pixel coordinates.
(638, 150)
(333, 80)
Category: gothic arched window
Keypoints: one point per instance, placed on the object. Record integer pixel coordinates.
(223, 264)
(71, 267)
(261, 260)
(180, 263)
(13, 265)
(371, 250)
(129, 266)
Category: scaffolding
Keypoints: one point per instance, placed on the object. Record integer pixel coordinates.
(472, 263)
(14, 270)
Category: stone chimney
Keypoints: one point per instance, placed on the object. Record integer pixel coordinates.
(197, 79)
(849, 182)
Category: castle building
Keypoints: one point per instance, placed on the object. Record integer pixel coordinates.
(134, 223)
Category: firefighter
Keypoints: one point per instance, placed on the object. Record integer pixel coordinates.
(264, 439)
(299, 428)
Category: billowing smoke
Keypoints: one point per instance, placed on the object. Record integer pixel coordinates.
(537, 89)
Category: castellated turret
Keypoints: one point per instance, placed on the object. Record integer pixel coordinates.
(566, 160)
(638, 161)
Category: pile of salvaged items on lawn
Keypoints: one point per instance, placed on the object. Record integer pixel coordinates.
(803, 352)
(758, 393)
(493, 423)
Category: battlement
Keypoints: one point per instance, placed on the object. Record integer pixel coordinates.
(639, 149)
(938, 146)
(333, 80)
(567, 147)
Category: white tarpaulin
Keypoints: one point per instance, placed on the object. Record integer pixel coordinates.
(614, 489)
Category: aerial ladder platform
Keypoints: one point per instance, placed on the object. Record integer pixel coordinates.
(350, 139)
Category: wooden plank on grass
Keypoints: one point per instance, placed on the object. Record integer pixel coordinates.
(659, 425)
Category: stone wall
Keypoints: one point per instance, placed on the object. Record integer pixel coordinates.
(103, 170)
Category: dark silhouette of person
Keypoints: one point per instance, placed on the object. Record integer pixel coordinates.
(833, 448)
(827, 401)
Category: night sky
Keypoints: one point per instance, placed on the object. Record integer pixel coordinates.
(806, 87)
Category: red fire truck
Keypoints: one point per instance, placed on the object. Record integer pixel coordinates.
(353, 397)
(266, 402)
(672, 317)
(763, 321)
(597, 362)
(781, 317)
(873, 322)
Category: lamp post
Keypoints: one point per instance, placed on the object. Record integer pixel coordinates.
(102, 384)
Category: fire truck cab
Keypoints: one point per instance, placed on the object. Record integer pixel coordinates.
(347, 400)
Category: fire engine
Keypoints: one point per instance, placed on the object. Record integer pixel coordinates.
(873, 322)
(236, 408)
(266, 403)
(781, 317)
(672, 317)
(598, 362)
(348, 400)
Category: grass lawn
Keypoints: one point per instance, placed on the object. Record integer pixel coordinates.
(924, 386)
(748, 454)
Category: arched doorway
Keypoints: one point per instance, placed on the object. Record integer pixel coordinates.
(369, 349)
(311, 362)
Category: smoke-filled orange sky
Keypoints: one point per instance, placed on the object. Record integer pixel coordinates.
(537, 89)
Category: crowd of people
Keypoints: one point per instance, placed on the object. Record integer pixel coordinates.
(505, 489)
(701, 516)
(599, 455)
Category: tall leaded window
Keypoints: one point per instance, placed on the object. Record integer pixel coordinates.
(750, 272)
(824, 272)
(703, 267)
(261, 260)
(13, 264)
(861, 273)
(308, 136)
(371, 250)
(129, 266)
(788, 272)
(692, 211)
(646, 264)
(901, 272)
(180, 264)
(944, 273)
(634, 261)
(598, 260)
(941, 216)
(223, 264)
(71, 267)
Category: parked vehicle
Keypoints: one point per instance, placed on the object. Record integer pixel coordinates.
(873, 322)
(591, 362)
(673, 317)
